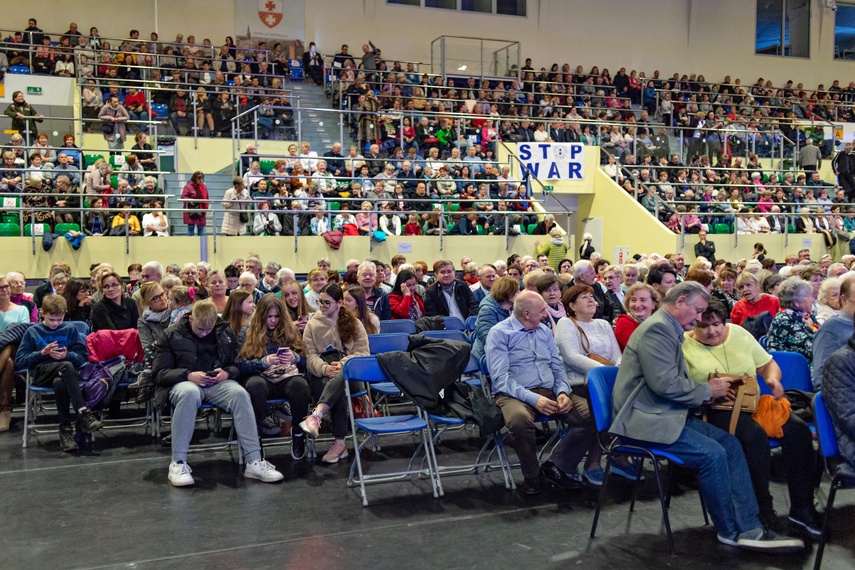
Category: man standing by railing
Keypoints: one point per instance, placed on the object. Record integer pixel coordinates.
(843, 165)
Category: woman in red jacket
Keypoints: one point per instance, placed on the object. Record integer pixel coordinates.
(640, 301)
(405, 302)
(194, 215)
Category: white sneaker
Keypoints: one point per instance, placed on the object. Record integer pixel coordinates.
(179, 474)
(263, 471)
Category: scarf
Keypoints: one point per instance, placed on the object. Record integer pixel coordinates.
(806, 318)
(556, 313)
(156, 317)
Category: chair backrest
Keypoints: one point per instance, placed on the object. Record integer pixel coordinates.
(447, 335)
(454, 324)
(364, 369)
(824, 427)
(388, 342)
(470, 324)
(601, 384)
(398, 326)
(81, 326)
(796, 370)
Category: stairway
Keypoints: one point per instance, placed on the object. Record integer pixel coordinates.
(217, 185)
(320, 129)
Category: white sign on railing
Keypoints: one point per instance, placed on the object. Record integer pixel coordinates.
(552, 161)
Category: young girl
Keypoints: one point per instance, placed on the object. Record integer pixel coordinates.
(412, 227)
(317, 280)
(295, 301)
(270, 359)
(180, 302)
(354, 299)
(239, 309)
(332, 326)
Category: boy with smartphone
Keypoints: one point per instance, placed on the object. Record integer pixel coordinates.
(53, 352)
(195, 363)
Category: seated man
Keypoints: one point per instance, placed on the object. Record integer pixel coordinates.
(835, 332)
(53, 352)
(529, 379)
(653, 403)
(195, 363)
(449, 297)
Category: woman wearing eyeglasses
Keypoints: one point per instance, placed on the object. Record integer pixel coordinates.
(115, 311)
(333, 335)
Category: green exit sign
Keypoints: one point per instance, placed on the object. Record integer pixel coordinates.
(548, 188)
(34, 90)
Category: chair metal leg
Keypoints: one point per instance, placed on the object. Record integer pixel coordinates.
(606, 473)
(636, 484)
(664, 507)
(829, 504)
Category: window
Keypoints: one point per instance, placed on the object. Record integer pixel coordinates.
(844, 32)
(501, 7)
(783, 28)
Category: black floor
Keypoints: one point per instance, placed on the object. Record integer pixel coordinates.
(113, 508)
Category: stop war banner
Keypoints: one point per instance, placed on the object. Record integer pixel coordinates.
(552, 161)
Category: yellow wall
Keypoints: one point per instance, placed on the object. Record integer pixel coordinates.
(182, 249)
(774, 244)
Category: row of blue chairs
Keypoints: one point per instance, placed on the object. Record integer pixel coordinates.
(409, 327)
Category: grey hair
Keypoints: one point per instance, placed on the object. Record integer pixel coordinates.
(156, 265)
(249, 275)
(366, 265)
(285, 274)
(825, 289)
(690, 290)
(580, 267)
(792, 290)
(273, 265)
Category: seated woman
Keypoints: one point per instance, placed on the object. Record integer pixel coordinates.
(354, 299)
(115, 311)
(217, 290)
(78, 300)
(195, 364)
(793, 329)
(154, 222)
(640, 301)
(549, 287)
(405, 301)
(337, 327)
(238, 310)
(9, 313)
(494, 308)
(295, 301)
(317, 280)
(753, 301)
(725, 290)
(578, 337)
(828, 300)
(270, 358)
(712, 345)
(155, 317)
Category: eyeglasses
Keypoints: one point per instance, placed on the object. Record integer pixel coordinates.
(270, 273)
(110, 285)
(324, 303)
(5, 287)
(159, 297)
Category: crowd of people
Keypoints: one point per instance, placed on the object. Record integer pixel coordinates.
(240, 336)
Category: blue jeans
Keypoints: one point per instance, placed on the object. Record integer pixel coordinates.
(200, 230)
(186, 397)
(141, 116)
(722, 475)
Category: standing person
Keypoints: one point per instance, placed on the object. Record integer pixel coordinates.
(704, 247)
(586, 249)
(24, 117)
(194, 216)
(555, 248)
(271, 352)
(237, 213)
(333, 335)
(195, 364)
(113, 123)
(810, 156)
(653, 395)
(53, 353)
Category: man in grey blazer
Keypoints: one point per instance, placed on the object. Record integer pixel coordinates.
(653, 404)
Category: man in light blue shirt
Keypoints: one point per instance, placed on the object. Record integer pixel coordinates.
(529, 381)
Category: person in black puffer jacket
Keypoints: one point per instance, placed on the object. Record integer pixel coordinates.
(838, 388)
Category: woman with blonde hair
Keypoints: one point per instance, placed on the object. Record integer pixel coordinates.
(640, 301)
(270, 359)
(295, 301)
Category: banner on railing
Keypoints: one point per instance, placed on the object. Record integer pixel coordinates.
(552, 161)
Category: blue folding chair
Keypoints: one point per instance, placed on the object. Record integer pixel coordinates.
(601, 384)
(829, 450)
(454, 324)
(795, 369)
(81, 326)
(398, 326)
(366, 369)
(387, 342)
(470, 324)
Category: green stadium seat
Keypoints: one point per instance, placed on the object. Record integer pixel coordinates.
(63, 229)
(267, 166)
(10, 229)
(455, 207)
(448, 228)
(481, 231)
(335, 205)
(36, 229)
(90, 159)
(722, 229)
(9, 219)
(791, 228)
(114, 181)
(530, 229)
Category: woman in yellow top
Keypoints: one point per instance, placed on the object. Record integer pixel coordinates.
(712, 345)
(134, 228)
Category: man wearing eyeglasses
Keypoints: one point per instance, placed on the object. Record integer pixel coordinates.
(268, 283)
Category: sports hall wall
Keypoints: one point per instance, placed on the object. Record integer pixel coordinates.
(712, 37)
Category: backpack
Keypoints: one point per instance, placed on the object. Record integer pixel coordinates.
(758, 325)
(100, 380)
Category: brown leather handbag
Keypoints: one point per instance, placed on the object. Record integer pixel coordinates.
(747, 397)
(586, 346)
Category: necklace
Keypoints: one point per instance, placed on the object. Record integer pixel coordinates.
(725, 364)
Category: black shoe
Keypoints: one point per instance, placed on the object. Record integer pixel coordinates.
(298, 446)
(90, 422)
(532, 486)
(807, 520)
(769, 519)
(555, 475)
(66, 440)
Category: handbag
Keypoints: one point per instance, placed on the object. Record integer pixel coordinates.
(244, 217)
(107, 128)
(747, 396)
(586, 346)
